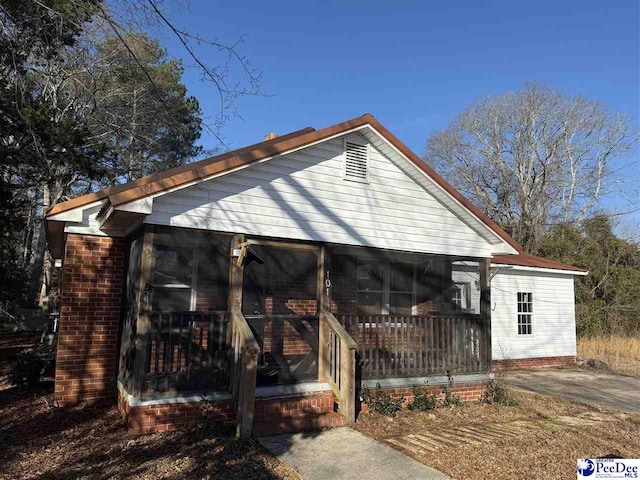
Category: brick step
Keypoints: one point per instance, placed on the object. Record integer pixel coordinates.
(298, 423)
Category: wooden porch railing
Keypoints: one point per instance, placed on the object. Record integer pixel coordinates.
(243, 370)
(340, 365)
(413, 346)
(186, 351)
(289, 348)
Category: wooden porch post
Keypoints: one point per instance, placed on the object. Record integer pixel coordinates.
(485, 307)
(235, 275)
(143, 331)
(324, 305)
(244, 352)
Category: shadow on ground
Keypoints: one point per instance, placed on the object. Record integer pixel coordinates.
(40, 441)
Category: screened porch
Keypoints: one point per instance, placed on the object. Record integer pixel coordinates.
(404, 314)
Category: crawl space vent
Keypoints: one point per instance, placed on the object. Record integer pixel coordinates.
(356, 162)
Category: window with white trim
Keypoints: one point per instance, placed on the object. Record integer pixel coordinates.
(525, 313)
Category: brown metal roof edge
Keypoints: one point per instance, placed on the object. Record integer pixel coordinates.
(528, 260)
(238, 159)
(107, 192)
(184, 174)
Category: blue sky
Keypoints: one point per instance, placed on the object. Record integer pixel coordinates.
(414, 65)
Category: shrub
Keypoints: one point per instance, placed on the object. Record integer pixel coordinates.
(381, 402)
(450, 399)
(422, 400)
(497, 393)
(30, 367)
(27, 370)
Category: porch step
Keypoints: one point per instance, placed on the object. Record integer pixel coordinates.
(298, 423)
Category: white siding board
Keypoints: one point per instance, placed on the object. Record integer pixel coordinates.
(249, 203)
(438, 193)
(554, 326)
(302, 195)
(330, 199)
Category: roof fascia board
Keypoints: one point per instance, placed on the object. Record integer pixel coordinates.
(103, 194)
(242, 167)
(504, 267)
(75, 214)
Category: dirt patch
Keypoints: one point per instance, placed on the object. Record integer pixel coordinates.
(39, 441)
(549, 450)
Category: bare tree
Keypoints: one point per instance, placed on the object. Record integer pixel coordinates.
(533, 157)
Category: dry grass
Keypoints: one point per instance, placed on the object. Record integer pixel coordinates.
(621, 354)
(549, 453)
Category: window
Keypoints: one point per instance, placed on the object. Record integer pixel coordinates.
(525, 313)
(370, 278)
(190, 271)
(356, 162)
(401, 298)
(461, 296)
(385, 287)
(173, 278)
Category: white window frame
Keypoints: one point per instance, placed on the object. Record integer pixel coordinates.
(524, 308)
(464, 290)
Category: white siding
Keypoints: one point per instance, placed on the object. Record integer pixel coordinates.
(554, 324)
(303, 195)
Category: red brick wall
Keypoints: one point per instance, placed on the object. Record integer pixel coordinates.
(540, 362)
(282, 338)
(92, 275)
(294, 413)
(286, 413)
(171, 416)
(468, 392)
(272, 415)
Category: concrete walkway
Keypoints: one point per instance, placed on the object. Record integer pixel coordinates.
(343, 453)
(618, 392)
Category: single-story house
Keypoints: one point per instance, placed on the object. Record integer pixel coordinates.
(276, 280)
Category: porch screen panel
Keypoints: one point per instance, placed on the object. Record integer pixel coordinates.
(279, 281)
(191, 271)
(188, 348)
(279, 300)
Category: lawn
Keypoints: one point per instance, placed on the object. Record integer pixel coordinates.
(542, 437)
(40, 441)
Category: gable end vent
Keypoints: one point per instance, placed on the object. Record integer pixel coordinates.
(356, 162)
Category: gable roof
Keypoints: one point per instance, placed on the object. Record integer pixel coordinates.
(528, 260)
(187, 174)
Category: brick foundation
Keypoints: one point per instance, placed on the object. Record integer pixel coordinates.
(468, 392)
(87, 352)
(171, 416)
(539, 362)
(285, 413)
